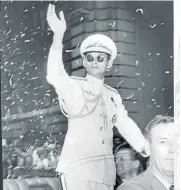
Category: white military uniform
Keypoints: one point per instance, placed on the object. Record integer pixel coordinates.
(93, 108)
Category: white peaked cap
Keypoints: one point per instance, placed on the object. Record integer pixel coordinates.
(99, 43)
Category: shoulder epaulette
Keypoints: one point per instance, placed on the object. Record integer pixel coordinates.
(110, 88)
(78, 78)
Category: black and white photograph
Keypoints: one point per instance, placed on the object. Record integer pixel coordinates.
(87, 95)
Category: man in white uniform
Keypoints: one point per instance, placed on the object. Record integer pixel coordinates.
(92, 108)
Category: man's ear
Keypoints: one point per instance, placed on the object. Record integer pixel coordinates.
(109, 65)
(136, 163)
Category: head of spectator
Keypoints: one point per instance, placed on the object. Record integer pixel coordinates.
(40, 150)
(51, 147)
(21, 162)
(14, 160)
(159, 132)
(127, 163)
(29, 162)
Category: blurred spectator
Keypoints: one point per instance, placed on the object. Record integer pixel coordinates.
(38, 157)
(127, 163)
(19, 159)
(14, 160)
(29, 162)
(45, 159)
(5, 166)
(53, 158)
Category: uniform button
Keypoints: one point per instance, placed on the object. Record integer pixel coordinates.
(102, 141)
(101, 128)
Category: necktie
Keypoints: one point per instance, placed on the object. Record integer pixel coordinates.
(171, 187)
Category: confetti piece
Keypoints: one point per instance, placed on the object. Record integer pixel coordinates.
(136, 62)
(10, 80)
(152, 26)
(26, 41)
(142, 83)
(139, 10)
(120, 83)
(81, 19)
(130, 96)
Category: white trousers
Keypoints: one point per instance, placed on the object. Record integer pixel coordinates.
(75, 183)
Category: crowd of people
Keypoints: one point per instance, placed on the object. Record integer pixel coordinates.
(27, 161)
(132, 169)
(19, 161)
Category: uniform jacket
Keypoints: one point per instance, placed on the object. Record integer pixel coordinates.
(95, 109)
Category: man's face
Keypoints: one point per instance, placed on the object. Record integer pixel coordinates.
(96, 64)
(162, 155)
(125, 162)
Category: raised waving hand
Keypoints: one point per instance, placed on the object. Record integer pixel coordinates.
(57, 25)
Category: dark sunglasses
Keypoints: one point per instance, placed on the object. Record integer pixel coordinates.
(100, 58)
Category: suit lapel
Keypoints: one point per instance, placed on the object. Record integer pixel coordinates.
(156, 183)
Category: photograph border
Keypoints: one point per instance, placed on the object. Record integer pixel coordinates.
(177, 114)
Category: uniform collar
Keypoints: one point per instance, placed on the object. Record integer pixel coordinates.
(94, 81)
(164, 182)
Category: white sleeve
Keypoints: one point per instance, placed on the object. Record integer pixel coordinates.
(65, 87)
(128, 128)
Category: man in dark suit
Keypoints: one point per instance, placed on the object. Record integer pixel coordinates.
(160, 173)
